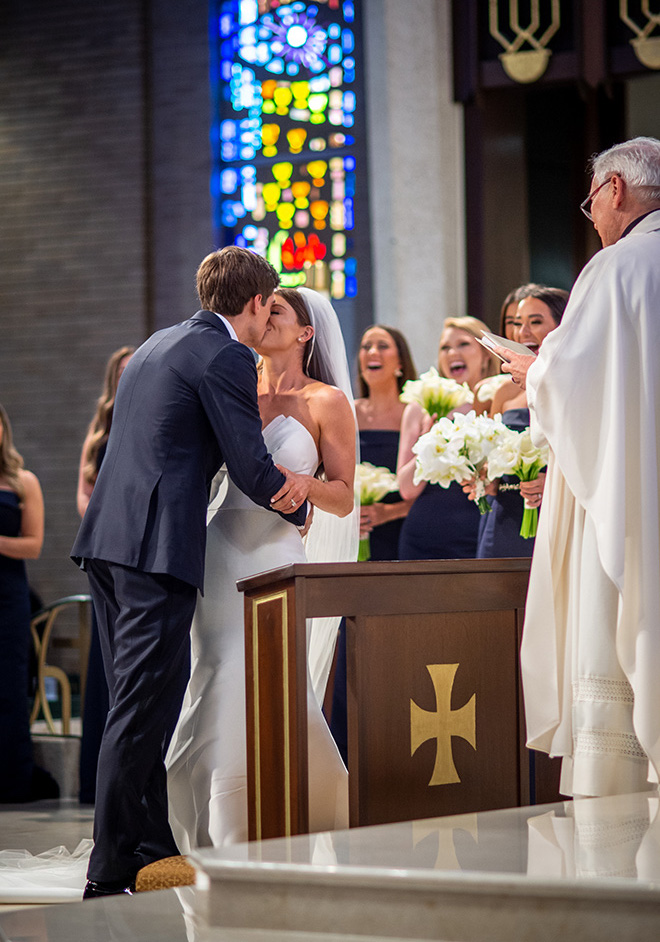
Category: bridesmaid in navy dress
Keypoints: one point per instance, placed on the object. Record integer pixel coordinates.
(442, 523)
(95, 708)
(21, 538)
(538, 313)
(385, 364)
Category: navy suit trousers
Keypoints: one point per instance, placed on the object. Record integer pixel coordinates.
(144, 628)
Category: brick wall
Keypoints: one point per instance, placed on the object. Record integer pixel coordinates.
(91, 98)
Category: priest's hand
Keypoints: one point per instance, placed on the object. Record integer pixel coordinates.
(516, 364)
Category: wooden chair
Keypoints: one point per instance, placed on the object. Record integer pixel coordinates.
(41, 628)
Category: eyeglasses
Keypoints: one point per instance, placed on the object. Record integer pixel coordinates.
(585, 205)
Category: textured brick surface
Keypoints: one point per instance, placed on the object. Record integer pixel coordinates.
(103, 190)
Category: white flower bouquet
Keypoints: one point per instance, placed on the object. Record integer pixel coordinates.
(457, 449)
(372, 483)
(436, 394)
(487, 388)
(517, 454)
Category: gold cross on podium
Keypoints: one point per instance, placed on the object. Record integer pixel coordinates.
(442, 724)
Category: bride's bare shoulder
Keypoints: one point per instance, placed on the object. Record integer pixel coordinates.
(326, 401)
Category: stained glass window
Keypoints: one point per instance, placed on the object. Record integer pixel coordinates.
(288, 137)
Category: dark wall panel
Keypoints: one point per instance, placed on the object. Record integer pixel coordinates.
(105, 215)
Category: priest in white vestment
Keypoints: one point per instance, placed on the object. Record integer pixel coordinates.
(591, 642)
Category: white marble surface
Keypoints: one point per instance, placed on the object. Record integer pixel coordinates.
(166, 916)
(589, 868)
(584, 871)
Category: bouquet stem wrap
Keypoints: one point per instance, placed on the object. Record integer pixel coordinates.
(517, 454)
(480, 498)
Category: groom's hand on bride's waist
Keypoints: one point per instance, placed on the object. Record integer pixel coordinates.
(293, 492)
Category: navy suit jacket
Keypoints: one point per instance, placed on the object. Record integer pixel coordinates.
(186, 404)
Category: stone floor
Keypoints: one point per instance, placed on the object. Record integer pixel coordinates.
(583, 871)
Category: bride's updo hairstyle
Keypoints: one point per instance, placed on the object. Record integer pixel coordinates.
(293, 297)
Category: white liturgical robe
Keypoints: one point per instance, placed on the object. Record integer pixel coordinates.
(591, 642)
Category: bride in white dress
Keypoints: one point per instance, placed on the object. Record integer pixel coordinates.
(308, 419)
(305, 402)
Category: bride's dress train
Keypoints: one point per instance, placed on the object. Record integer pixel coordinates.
(207, 783)
(54, 876)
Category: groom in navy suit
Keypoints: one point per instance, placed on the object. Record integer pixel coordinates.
(186, 404)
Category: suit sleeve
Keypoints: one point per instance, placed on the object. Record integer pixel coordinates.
(228, 392)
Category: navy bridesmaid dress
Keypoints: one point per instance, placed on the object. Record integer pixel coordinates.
(443, 523)
(15, 742)
(380, 447)
(500, 533)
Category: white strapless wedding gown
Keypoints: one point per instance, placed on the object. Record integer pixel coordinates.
(206, 761)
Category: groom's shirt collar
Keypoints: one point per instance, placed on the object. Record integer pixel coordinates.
(228, 325)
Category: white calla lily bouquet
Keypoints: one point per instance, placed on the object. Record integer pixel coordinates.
(458, 449)
(436, 394)
(487, 388)
(517, 454)
(372, 483)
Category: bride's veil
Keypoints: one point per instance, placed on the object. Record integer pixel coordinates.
(330, 538)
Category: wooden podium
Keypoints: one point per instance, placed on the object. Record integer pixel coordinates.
(435, 711)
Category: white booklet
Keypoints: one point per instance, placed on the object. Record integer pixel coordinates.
(490, 341)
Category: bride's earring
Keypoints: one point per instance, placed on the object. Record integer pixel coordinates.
(398, 372)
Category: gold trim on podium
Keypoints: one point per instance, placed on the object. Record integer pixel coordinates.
(273, 597)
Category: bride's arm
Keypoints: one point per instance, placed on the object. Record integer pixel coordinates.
(336, 423)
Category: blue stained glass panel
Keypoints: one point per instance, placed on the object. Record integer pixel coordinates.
(286, 90)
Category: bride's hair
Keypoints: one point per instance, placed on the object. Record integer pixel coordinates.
(293, 297)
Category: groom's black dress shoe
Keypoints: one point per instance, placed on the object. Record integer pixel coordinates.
(94, 890)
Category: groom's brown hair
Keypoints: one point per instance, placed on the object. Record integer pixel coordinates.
(228, 278)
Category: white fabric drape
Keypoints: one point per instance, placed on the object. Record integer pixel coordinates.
(331, 539)
(591, 643)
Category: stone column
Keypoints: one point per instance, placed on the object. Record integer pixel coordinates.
(416, 170)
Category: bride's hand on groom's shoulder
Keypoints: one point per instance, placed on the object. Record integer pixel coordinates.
(293, 492)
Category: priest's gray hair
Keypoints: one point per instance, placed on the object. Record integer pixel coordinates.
(637, 161)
